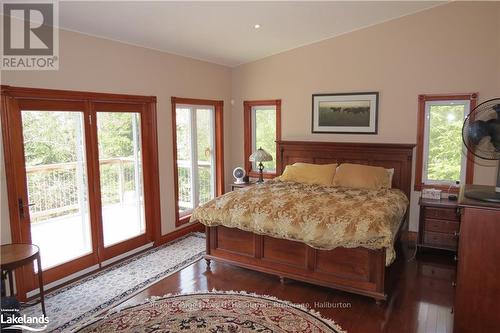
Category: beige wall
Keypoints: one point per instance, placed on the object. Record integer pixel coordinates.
(498, 58)
(448, 49)
(94, 64)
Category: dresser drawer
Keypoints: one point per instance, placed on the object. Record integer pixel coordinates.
(441, 213)
(437, 272)
(439, 239)
(445, 226)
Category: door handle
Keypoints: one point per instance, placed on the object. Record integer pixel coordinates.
(21, 206)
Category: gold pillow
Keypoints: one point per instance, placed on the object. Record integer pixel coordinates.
(321, 174)
(361, 176)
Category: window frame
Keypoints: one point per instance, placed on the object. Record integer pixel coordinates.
(249, 137)
(422, 130)
(218, 107)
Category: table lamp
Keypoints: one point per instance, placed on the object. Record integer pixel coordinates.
(259, 156)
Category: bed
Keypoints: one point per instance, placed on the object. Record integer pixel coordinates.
(362, 269)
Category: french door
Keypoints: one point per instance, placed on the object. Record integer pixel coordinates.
(195, 129)
(197, 133)
(80, 181)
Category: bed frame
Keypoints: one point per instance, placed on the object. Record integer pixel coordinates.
(357, 270)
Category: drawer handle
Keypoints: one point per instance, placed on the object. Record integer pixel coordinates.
(453, 284)
(455, 258)
(456, 234)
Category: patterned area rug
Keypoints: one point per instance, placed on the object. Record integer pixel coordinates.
(84, 299)
(214, 312)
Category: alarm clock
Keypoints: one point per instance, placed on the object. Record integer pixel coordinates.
(239, 173)
(431, 193)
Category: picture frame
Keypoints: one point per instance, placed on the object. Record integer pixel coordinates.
(346, 113)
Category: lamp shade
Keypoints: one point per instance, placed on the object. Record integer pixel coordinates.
(260, 155)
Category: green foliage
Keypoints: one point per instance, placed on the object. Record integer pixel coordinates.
(115, 134)
(182, 117)
(445, 142)
(57, 137)
(265, 134)
(51, 137)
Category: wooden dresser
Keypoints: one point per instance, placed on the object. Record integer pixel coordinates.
(477, 300)
(439, 224)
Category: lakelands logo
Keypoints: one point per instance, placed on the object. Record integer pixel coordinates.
(14, 321)
(30, 36)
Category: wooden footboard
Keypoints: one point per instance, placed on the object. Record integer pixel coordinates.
(358, 270)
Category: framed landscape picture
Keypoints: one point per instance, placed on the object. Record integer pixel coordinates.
(354, 113)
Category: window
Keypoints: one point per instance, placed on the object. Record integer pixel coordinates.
(262, 130)
(198, 169)
(441, 157)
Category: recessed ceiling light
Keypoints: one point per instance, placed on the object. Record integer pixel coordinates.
(257, 26)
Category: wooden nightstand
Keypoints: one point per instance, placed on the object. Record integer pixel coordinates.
(439, 224)
(237, 186)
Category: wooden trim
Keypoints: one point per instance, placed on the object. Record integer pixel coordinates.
(219, 148)
(39, 94)
(247, 132)
(193, 227)
(155, 176)
(469, 169)
(14, 98)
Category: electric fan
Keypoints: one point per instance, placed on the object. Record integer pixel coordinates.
(481, 135)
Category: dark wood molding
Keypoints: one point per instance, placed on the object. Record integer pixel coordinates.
(247, 131)
(155, 177)
(218, 106)
(469, 171)
(193, 227)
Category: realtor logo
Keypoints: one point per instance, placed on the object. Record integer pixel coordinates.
(30, 36)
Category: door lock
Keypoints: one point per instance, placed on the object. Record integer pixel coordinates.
(21, 206)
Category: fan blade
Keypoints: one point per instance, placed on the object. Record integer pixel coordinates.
(494, 132)
(477, 131)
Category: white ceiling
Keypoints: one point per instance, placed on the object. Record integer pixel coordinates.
(223, 32)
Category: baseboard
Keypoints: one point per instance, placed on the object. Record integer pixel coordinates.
(194, 227)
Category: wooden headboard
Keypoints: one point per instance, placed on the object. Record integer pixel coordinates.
(387, 155)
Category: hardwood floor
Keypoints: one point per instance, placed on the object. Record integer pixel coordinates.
(421, 298)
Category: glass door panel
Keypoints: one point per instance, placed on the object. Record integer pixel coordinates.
(56, 174)
(206, 154)
(121, 176)
(195, 139)
(184, 160)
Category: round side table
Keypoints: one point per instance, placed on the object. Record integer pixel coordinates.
(17, 255)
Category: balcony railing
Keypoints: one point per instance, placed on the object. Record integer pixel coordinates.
(205, 183)
(58, 189)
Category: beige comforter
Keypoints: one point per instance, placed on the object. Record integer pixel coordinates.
(323, 217)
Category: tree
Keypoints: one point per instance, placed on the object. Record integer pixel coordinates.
(445, 142)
